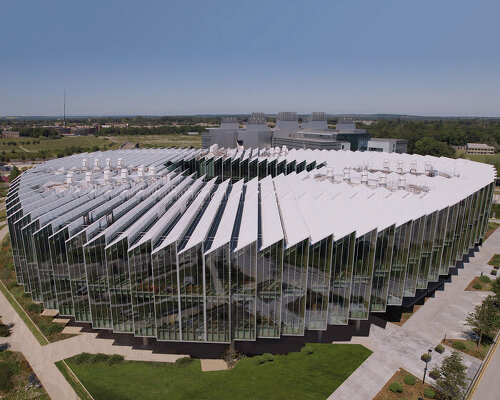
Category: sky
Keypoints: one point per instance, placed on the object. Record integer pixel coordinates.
(425, 57)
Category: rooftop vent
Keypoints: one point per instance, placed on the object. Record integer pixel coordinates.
(386, 165)
(214, 148)
(119, 163)
(428, 168)
(84, 163)
(124, 174)
(107, 175)
(89, 178)
(401, 182)
(97, 164)
(329, 172)
(108, 163)
(383, 180)
(140, 171)
(152, 170)
(413, 167)
(70, 180)
(364, 177)
(400, 166)
(347, 174)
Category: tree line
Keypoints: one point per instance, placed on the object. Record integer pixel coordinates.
(435, 137)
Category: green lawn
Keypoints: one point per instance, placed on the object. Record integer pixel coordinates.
(172, 140)
(493, 159)
(291, 376)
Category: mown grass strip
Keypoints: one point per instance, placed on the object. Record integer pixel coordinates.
(77, 386)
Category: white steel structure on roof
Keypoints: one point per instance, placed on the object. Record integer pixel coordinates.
(231, 244)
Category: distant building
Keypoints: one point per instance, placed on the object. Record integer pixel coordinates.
(10, 134)
(479, 148)
(313, 133)
(385, 145)
(229, 134)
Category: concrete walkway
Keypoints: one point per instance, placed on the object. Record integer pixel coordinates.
(443, 314)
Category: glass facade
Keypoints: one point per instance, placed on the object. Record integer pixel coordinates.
(107, 275)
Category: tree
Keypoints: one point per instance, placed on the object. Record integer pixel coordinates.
(452, 378)
(495, 288)
(484, 319)
(14, 173)
(430, 146)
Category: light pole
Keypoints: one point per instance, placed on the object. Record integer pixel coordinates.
(429, 351)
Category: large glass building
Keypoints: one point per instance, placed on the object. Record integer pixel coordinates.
(222, 245)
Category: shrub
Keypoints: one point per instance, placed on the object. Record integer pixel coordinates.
(4, 330)
(439, 348)
(429, 393)
(117, 359)
(268, 357)
(459, 346)
(434, 374)
(5, 375)
(35, 308)
(182, 362)
(484, 279)
(409, 379)
(258, 360)
(425, 357)
(493, 272)
(477, 286)
(99, 357)
(396, 387)
(54, 328)
(82, 358)
(306, 350)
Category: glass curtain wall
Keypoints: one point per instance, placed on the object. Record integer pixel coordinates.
(62, 284)
(243, 293)
(426, 253)
(438, 245)
(78, 277)
(318, 283)
(451, 223)
(217, 270)
(119, 286)
(44, 264)
(294, 288)
(341, 280)
(166, 301)
(98, 284)
(142, 290)
(269, 272)
(364, 259)
(382, 269)
(400, 255)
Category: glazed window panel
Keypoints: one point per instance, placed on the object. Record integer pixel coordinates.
(217, 270)
(400, 255)
(269, 272)
(362, 276)
(243, 292)
(382, 269)
(293, 301)
(78, 277)
(438, 245)
(318, 283)
(417, 235)
(426, 253)
(62, 284)
(341, 280)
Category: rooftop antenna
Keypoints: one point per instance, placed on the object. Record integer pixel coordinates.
(64, 119)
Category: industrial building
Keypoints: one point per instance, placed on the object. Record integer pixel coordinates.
(241, 245)
(313, 133)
